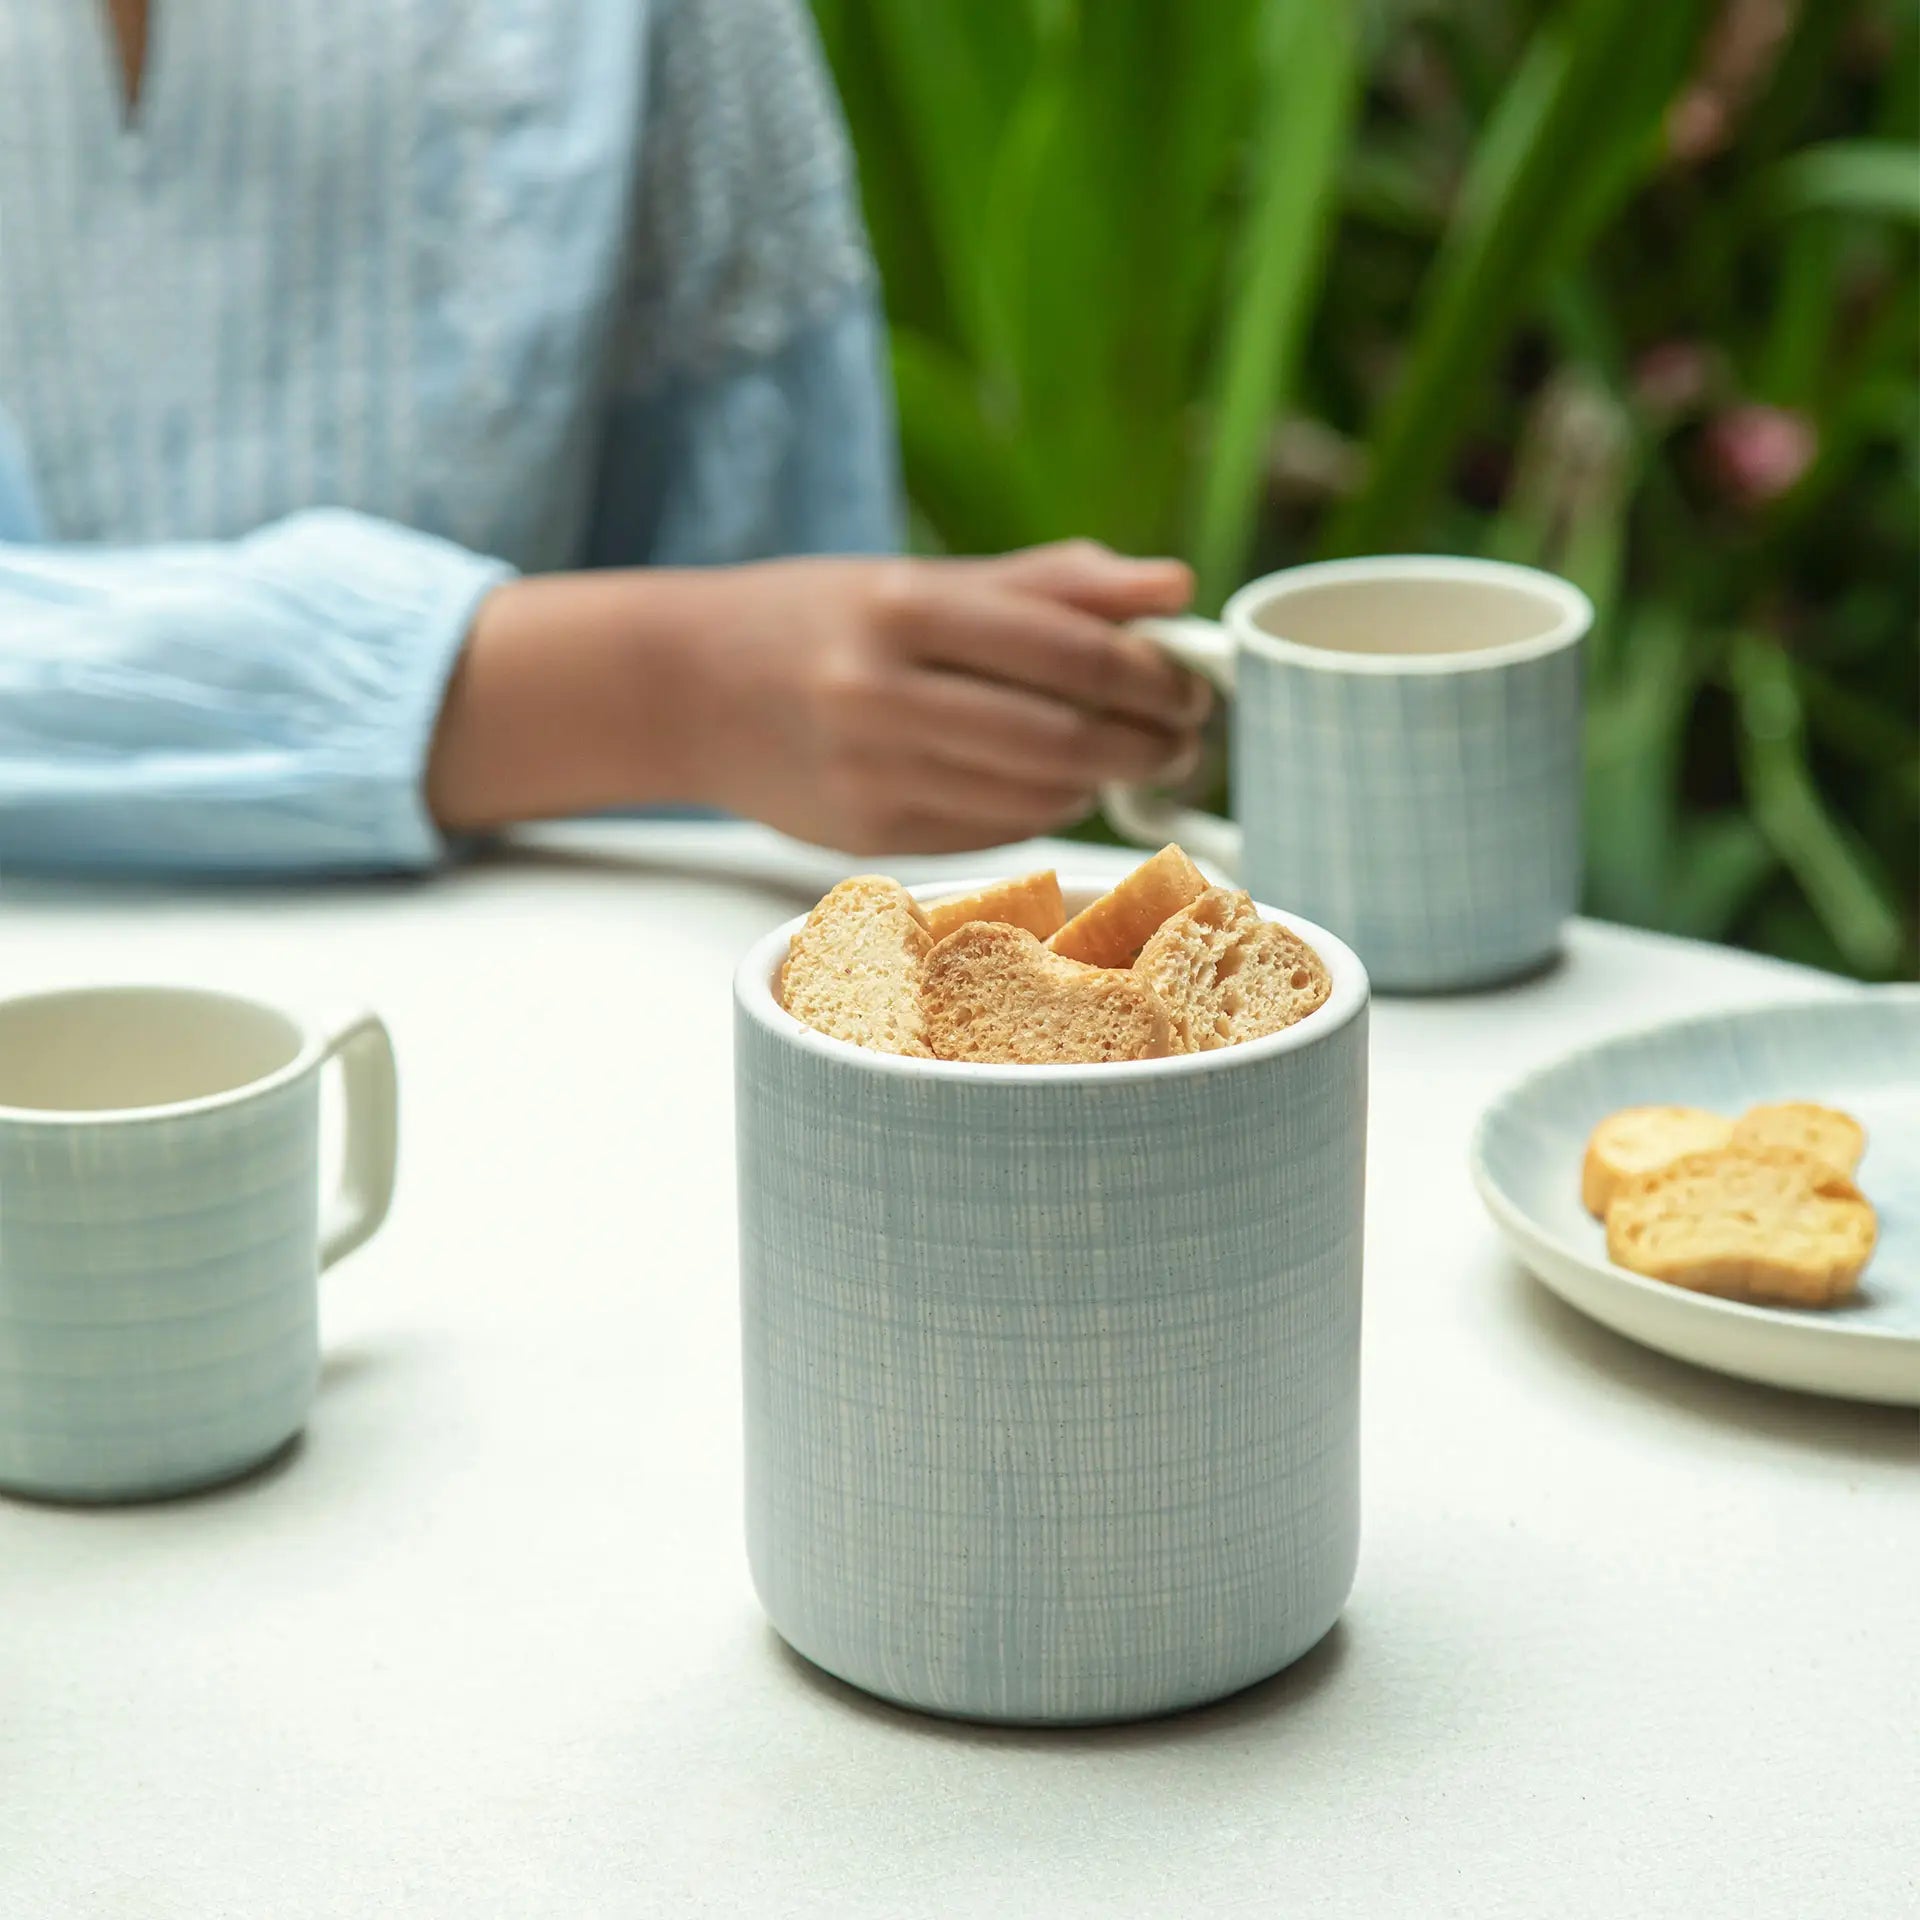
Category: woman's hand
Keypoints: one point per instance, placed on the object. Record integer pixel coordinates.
(921, 706)
(874, 706)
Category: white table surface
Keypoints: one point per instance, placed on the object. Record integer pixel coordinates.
(1627, 1638)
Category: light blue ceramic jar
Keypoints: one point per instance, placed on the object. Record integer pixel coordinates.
(1052, 1373)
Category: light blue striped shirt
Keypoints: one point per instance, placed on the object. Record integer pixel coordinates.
(370, 304)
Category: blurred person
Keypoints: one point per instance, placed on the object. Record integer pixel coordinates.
(397, 400)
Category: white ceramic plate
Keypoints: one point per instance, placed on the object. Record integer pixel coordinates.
(1860, 1052)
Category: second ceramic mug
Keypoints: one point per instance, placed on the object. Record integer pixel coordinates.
(161, 1230)
(1406, 759)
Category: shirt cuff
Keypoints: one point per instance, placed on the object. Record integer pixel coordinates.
(265, 706)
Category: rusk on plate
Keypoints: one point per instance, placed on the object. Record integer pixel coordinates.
(1636, 1140)
(1825, 1132)
(1764, 1224)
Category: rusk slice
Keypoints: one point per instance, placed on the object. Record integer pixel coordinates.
(1824, 1132)
(994, 993)
(1032, 903)
(1636, 1140)
(1112, 931)
(1764, 1224)
(853, 971)
(1226, 975)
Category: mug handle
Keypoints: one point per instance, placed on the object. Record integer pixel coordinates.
(1151, 819)
(364, 1050)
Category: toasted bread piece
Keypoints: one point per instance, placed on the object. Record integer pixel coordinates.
(1226, 975)
(1825, 1132)
(1764, 1224)
(853, 971)
(995, 993)
(1111, 932)
(1636, 1140)
(1032, 902)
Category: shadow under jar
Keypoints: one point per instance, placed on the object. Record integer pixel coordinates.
(1052, 1373)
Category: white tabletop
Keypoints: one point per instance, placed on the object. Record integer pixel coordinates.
(1627, 1637)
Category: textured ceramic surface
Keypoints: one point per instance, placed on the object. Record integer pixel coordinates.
(1423, 804)
(1435, 820)
(158, 1317)
(1861, 1052)
(1052, 1374)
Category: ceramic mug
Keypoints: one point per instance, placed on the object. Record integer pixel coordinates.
(1052, 1373)
(161, 1232)
(1406, 759)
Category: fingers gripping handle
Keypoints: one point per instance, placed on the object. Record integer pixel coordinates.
(1149, 818)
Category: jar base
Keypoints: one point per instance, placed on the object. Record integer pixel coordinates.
(818, 1669)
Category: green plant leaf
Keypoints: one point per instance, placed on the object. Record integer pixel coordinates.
(1719, 863)
(1855, 726)
(1799, 335)
(1310, 78)
(1573, 128)
(1635, 728)
(1575, 468)
(1879, 179)
(953, 71)
(1103, 239)
(966, 475)
(1635, 731)
(1391, 190)
(1852, 901)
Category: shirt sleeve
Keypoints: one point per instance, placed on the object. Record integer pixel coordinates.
(259, 706)
(751, 408)
(791, 451)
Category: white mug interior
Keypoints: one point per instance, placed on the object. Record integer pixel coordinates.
(136, 1049)
(1409, 614)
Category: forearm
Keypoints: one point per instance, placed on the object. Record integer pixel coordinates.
(575, 693)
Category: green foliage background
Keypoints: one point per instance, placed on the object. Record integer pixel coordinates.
(1627, 291)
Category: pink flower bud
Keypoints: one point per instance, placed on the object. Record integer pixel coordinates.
(1753, 454)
